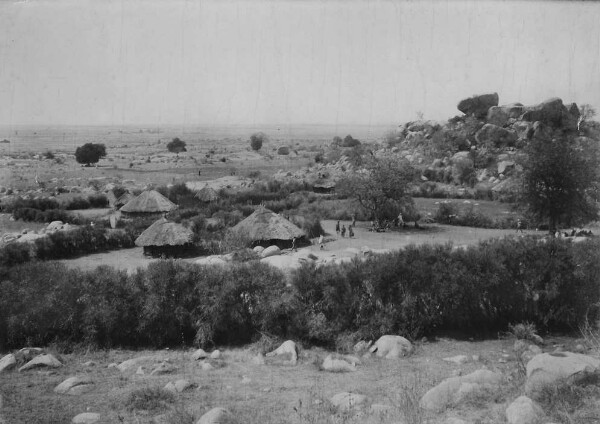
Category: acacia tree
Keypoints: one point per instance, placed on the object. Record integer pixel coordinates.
(381, 187)
(176, 146)
(257, 140)
(90, 153)
(561, 180)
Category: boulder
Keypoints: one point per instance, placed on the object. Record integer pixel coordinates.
(347, 401)
(216, 416)
(493, 135)
(270, 251)
(362, 346)
(178, 386)
(523, 129)
(55, 226)
(551, 112)
(283, 150)
(26, 354)
(505, 166)
(75, 385)
(478, 105)
(391, 347)
(450, 391)
(45, 360)
(551, 368)
(458, 359)
(86, 418)
(130, 363)
(8, 362)
(215, 354)
(199, 354)
(499, 115)
(337, 365)
(258, 249)
(523, 411)
(286, 348)
(206, 366)
(164, 368)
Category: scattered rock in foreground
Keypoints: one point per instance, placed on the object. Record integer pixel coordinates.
(199, 354)
(75, 385)
(391, 347)
(86, 418)
(216, 416)
(8, 362)
(452, 390)
(550, 368)
(45, 360)
(346, 401)
(337, 365)
(458, 359)
(163, 368)
(523, 411)
(287, 348)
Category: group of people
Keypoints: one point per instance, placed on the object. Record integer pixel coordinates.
(342, 230)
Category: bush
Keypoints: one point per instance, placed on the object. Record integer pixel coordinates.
(257, 140)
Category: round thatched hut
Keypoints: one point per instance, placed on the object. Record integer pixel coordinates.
(148, 203)
(207, 194)
(164, 238)
(265, 228)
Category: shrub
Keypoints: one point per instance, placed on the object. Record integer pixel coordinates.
(14, 253)
(149, 399)
(257, 140)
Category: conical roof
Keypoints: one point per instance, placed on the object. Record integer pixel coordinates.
(124, 199)
(150, 201)
(207, 194)
(165, 233)
(265, 224)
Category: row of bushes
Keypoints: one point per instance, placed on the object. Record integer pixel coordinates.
(418, 291)
(48, 215)
(67, 244)
(46, 203)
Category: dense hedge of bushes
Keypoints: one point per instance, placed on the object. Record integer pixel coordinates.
(417, 291)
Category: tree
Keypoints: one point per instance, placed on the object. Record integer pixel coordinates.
(257, 140)
(381, 187)
(90, 153)
(561, 180)
(176, 146)
(586, 112)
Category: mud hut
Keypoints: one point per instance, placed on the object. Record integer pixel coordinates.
(207, 194)
(265, 228)
(149, 203)
(164, 238)
(324, 186)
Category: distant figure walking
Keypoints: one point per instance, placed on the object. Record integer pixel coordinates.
(321, 245)
(350, 231)
(294, 244)
(337, 228)
(354, 220)
(400, 220)
(343, 231)
(519, 226)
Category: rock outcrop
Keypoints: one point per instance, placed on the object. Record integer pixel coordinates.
(478, 105)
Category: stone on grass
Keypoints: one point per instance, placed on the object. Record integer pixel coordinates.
(26, 354)
(140, 371)
(551, 368)
(163, 368)
(86, 418)
(391, 347)
(89, 364)
(523, 411)
(258, 359)
(287, 348)
(216, 354)
(216, 416)
(270, 251)
(458, 359)
(206, 366)
(130, 363)
(199, 354)
(337, 365)
(452, 390)
(8, 362)
(45, 360)
(347, 401)
(76, 385)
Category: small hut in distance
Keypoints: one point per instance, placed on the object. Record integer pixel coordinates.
(207, 194)
(164, 238)
(265, 228)
(149, 203)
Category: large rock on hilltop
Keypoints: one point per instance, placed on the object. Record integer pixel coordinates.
(550, 368)
(478, 105)
(493, 135)
(499, 115)
(552, 112)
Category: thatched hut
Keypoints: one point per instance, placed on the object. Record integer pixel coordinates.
(124, 199)
(148, 203)
(164, 238)
(207, 194)
(324, 186)
(264, 227)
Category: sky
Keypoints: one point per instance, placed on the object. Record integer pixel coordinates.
(287, 62)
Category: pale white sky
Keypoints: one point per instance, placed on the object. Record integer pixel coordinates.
(288, 62)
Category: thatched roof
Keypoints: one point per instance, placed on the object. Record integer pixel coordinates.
(264, 224)
(112, 199)
(165, 233)
(207, 194)
(124, 199)
(149, 202)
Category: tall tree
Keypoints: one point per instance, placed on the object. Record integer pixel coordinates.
(90, 153)
(561, 179)
(176, 146)
(381, 187)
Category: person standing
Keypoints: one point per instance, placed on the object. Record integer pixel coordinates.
(350, 231)
(353, 220)
(294, 244)
(321, 245)
(337, 228)
(343, 231)
(519, 226)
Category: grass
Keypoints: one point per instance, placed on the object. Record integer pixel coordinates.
(149, 399)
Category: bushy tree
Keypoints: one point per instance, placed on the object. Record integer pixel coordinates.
(381, 187)
(90, 153)
(176, 146)
(257, 140)
(561, 181)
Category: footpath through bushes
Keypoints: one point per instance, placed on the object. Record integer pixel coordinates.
(418, 291)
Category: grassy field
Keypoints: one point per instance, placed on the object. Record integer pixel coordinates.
(271, 393)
